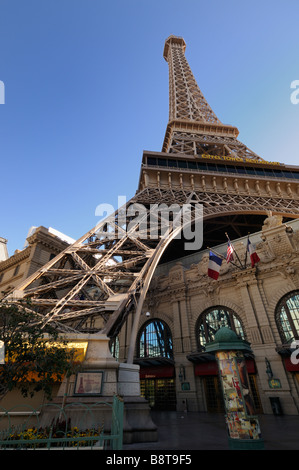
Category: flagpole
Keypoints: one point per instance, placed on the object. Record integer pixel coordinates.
(242, 267)
(223, 257)
(246, 250)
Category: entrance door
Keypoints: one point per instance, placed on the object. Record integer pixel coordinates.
(160, 393)
(213, 393)
(214, 397)
(255, 394)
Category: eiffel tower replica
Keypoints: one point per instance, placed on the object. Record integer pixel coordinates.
(97, 281)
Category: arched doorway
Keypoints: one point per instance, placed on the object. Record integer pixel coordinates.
(155, 357)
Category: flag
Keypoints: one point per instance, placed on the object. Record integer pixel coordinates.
(229, 253)
(253, 255)
(214, 265)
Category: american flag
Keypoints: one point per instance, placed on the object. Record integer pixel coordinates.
(229, 253)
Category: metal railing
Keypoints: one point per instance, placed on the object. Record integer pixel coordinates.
(36, 433)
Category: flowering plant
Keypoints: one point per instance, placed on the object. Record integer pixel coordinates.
(45, 435)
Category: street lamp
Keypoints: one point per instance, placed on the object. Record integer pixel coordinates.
(182, 373)
(268, 369)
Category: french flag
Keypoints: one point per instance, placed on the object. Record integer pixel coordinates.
(252, 253)
(214, 265)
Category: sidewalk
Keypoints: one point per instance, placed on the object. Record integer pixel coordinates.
(205, 431)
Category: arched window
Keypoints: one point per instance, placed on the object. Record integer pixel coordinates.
(212, 319)
(287, 317)
(155, 340)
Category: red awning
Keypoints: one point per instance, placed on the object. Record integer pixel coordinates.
(156, 372)
(290, 367)
(206, 368)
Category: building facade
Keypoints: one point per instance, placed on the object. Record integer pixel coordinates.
(185, 307)
(42, 245)
(240, 193)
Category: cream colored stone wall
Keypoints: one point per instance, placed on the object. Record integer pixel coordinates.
(41, 245)
(180, 293)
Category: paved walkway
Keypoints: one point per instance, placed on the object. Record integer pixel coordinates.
(205, 431)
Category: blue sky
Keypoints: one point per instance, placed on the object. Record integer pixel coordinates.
(86, 92)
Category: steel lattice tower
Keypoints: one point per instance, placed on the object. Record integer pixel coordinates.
(193, 127)
(94, 283)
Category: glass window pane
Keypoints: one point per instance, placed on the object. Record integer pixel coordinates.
(288, 317)
(151, 161)
(231, 169)
(285, 325)
(202, 166)
(287, 174)
(211, 167)
(212, 320)
(221, 167)
(172, 163)
(241, 169)
(155, 340)
(141, 346)
(192, 165)
(293, 305)
(238, 328)
(202, 336)
(250, 171)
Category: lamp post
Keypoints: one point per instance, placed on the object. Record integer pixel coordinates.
(242, 422)
(268, 369)
(182, 373)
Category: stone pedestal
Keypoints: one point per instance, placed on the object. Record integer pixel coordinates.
(86, 410)
(138, 425)
(128, 380)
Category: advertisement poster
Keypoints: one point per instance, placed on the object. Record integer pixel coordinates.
(89, 383)
(230, 382)
(237, 396)
(244, 379)
(242, 427)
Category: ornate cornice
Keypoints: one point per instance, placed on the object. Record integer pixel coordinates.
(16, 258)
(40, 236)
